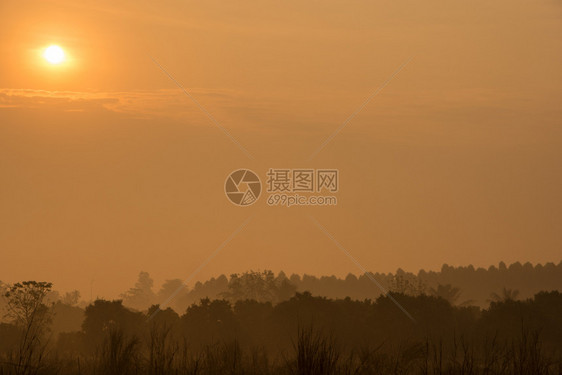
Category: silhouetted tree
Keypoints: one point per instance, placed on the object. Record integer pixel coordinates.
(209, 321)
(103, 316)
(505, 295)
(447, 292)
(27, 311)
(259, 286)
(178, 291)
(141, 295)
(408, 284)
(71, 298)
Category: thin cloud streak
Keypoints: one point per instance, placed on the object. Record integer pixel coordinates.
(207, 113)
(140, 103)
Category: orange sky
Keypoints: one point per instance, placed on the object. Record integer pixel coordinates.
(107, 168)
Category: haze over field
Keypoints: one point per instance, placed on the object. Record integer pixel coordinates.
(107, 168)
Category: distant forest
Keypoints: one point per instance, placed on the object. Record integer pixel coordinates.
(459, 285)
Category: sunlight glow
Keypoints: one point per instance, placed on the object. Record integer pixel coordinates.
(54, 54)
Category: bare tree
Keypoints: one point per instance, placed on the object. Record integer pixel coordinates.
(27, 310)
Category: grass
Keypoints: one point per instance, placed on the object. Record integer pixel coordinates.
(314, 352)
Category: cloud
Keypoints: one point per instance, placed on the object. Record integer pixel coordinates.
(141, 103)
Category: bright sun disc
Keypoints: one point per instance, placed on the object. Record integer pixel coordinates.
(54, 54)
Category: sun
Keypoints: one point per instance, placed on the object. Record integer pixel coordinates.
(54, 54)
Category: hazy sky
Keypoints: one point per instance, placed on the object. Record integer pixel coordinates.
(107, 168)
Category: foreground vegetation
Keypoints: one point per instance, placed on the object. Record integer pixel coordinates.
(302, 335)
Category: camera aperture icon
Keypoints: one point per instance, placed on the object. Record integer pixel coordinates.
(242, 187)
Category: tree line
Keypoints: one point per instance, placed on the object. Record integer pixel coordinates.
(262, 324)
(474, 286)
